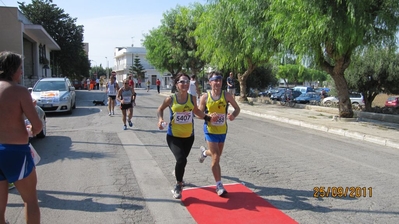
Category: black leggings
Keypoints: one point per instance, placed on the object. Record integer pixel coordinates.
(180, 148)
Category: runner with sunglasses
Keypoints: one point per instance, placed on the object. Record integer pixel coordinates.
(216, 101)
(125, 96)
(180, 133)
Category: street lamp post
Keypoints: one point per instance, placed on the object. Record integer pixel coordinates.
(95, 70)
(107, 69)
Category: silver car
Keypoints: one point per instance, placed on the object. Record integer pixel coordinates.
(42, 116)
(54, 95)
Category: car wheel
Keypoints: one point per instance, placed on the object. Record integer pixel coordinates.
(328, 103)
(42, 134)
(356, 106)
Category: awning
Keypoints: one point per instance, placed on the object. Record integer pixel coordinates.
(39, 33)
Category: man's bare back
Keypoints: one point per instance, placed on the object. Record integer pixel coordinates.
(15, 101)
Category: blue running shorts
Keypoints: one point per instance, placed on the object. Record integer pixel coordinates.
(219, 138)
(16, 162)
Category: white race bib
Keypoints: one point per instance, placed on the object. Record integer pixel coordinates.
(183, 117)
(221, 120)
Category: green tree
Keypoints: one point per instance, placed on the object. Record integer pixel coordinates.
(137, 68)
(71, 61)
(172, 46)
(159, 51)
(373, 71)
(330, 30)
(231, 37)
(289, 73)
(180, 24)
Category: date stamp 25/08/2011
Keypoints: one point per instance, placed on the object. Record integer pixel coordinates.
(342, 192)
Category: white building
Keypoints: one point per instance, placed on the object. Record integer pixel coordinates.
(124, 59)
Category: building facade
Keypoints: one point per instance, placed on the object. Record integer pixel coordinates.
(124, 60)
(21, 36)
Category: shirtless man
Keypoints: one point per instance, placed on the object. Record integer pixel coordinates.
(16, 162)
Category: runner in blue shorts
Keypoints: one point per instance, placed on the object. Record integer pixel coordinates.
(16, 163)
(215, 103)
(221, 138)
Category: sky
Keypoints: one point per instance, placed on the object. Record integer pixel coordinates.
(117, 23)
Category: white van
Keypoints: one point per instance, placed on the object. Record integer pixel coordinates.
(303, 89)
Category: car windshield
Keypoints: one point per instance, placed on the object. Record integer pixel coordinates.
(50, 86)
(392, 98)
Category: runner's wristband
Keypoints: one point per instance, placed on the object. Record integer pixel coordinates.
(207, 118)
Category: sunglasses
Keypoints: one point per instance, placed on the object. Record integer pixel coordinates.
(183, 81)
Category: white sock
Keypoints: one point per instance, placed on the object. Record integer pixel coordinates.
(219, 182)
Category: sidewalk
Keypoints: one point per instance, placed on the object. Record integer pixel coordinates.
(321, 118)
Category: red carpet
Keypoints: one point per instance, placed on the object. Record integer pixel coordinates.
(240, 205)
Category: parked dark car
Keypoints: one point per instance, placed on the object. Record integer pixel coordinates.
(77, 84)
(309, 97)
(292, 94)
(270, 91)
(277, 96)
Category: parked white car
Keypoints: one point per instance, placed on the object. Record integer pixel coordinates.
(54, 95)
(356, 99)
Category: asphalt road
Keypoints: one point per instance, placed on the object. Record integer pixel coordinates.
(94, 172)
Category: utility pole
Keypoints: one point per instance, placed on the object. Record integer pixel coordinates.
(107, 69)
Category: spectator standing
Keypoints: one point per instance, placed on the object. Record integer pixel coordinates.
(230, 84)
(88, 83)
(101, 83)
(158, 83)
(16, 162)
(111, 90)
(139, 82)
(216, 101)
(148, 85)
(131, 83)
(97, 84)
(194, 89)
(180, 133)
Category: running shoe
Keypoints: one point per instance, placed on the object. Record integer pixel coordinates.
(124, 127)
(11, 186)
(202, 157)
(220, 190)
(109, 114)
(113, 113)
(130, 123)
(177, 192)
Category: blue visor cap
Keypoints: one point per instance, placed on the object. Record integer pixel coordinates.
(216, 78)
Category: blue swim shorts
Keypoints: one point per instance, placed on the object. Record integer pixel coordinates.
(16, 162)
(219, 138)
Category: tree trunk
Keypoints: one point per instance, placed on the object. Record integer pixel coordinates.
(242, 79)
(345, 105)
(337, 73)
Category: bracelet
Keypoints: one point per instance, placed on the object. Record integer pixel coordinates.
(207, 118)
